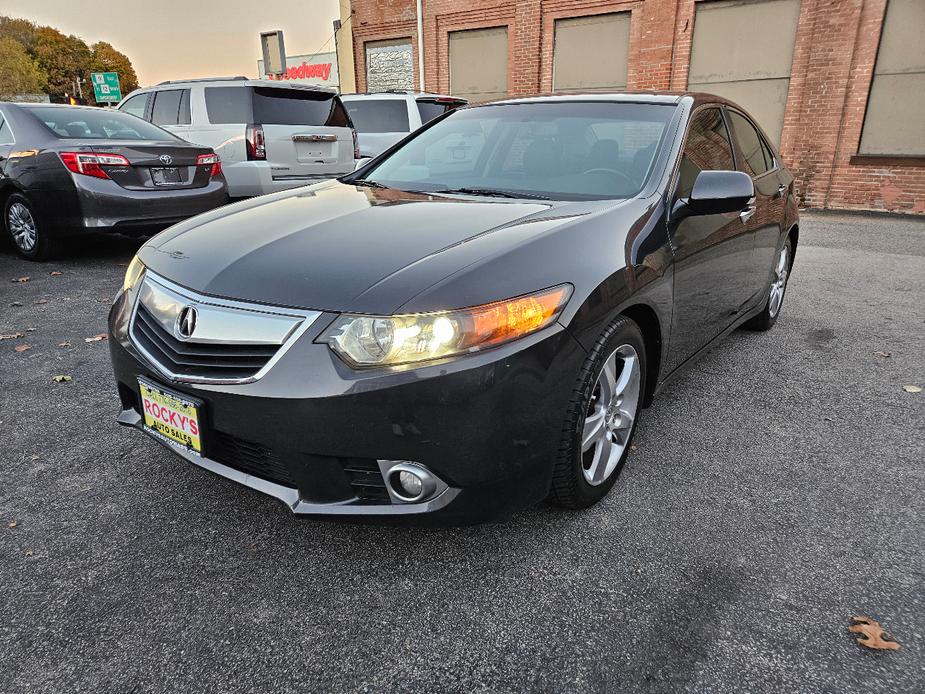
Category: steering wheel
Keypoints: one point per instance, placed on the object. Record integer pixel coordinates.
(619, 174)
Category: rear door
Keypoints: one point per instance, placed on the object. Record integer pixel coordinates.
(754, 157)
(712, 253)
(380, 122)
(171, 110)
(307, 132)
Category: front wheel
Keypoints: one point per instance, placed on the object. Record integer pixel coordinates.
(601, 418)
(768, 317)
(29, 238)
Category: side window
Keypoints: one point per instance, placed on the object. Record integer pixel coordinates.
(184, 116)
(135, 105)
(751, 153)
(229, 105)
(707, 149)
(6, 135)
(166, 107)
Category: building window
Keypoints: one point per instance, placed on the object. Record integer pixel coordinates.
(389, 65)
(478, 63)
(743, 50)
(606, 37)
(894, 124)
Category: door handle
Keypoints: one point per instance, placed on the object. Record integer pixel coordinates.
(781, 189)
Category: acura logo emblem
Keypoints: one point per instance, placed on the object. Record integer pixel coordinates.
(186, 321)
(166, 159)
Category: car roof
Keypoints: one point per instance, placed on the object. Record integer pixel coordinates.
(240, 82)
(626, 96)
(399, 94)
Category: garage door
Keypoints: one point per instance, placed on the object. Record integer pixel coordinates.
(743, 50)
(590, 53)
(389, 65)
(478, 63)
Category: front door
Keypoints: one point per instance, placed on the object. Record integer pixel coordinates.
(712, 253)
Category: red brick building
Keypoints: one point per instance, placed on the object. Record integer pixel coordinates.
(838, 84)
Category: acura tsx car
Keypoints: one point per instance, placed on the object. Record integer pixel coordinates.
(69, 170)
(471, 322)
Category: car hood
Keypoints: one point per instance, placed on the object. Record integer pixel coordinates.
(340, 247)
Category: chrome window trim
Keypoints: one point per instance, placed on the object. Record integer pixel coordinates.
(307, 319)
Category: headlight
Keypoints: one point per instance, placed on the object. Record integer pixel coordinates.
(417, 337)
(132, 274)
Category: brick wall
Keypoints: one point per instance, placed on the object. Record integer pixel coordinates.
(833, 62)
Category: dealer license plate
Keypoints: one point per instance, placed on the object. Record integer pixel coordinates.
(171, 417)
(166, 177)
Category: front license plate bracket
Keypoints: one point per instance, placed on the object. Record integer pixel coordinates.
(171, 417)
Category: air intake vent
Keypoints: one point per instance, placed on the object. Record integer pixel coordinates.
(366, 480)
(248, 457)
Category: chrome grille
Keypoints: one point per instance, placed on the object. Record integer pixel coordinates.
(232, 342)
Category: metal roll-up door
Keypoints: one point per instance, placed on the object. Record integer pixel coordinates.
(894, 123)
(743, 50)
(591, 53)
(478, 63)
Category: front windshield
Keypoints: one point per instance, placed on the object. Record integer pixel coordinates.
(556, 150)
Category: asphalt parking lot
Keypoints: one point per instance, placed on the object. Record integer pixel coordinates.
(776, 490)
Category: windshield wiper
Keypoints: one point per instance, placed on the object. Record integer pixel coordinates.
(367, 183)
(494, 192)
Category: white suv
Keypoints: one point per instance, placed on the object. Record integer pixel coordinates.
(383, 118)
(270, 135)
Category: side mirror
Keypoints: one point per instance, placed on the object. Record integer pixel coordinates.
(716, 192)
(360, 162)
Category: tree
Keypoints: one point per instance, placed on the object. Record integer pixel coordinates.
(21, 30)
(19, 73)
(63, 58)
(108, 59)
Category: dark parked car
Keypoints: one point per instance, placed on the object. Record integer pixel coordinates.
(468, 324)
(67, 170)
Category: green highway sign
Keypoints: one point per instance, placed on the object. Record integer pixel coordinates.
(106, 87)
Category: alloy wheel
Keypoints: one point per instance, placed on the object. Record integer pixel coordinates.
(611, 414)
(22, 226)
(779, 284)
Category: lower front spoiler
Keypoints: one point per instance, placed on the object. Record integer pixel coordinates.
(289, 495)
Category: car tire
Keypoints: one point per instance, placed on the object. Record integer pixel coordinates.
(29, 236)
(772, 307)
(601, 418)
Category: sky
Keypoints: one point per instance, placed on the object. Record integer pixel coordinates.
(180, 39)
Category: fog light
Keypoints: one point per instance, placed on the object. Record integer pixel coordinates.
(411, 484)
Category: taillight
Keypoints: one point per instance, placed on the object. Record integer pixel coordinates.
(356, 144)
(256, 144)
(206, 159)
(91, 164)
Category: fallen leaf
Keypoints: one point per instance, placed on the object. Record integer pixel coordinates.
(12, 336)
(40, 301)
(20, 279)
(96, 338)
(885, 355)
(874, 633)
(12, 524)
(55, 273)
(16, 303)
(64, 344)
(61, 379)
(912, 389)
(28, 552)
(22, 348)
(31, 330)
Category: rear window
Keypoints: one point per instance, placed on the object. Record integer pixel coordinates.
(379, 115)
(97, 124)
(270, 106)
(431, 109)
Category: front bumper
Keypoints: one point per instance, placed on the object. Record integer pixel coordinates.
(488, 425)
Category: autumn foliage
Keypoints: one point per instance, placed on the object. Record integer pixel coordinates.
(42, 60)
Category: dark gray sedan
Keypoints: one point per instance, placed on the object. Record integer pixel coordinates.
(470, 323)
(67, 170)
